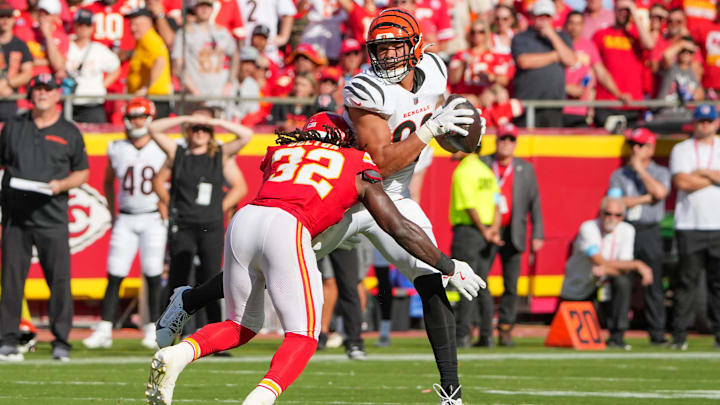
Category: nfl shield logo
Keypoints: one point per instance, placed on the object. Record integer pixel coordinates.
(415, 100)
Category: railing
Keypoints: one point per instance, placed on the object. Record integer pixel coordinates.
(530, 106)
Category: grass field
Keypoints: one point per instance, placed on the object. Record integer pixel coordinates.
(401, 374)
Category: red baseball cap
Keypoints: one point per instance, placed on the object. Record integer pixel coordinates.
(507, 130)
(310, 52)
(642, 136)
(331, 73)
(350, 45)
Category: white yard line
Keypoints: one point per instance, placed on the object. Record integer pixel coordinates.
(711, 356)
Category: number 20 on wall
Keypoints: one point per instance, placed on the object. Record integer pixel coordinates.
(328, 167)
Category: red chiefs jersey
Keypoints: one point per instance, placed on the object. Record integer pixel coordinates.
(313, 181)
(359, 21)
(478, 67)
(112, 29)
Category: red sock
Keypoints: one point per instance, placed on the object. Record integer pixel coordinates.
(289, 361)
(217, 337)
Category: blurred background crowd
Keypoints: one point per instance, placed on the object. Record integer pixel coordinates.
(499, 54)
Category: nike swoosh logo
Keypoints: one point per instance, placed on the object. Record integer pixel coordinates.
(462, 277)
(355, 102)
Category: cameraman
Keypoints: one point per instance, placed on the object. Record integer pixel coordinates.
(17, 62)
(91, 67)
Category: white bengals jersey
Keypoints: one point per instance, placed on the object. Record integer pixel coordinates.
(404, 111)
(135, 169)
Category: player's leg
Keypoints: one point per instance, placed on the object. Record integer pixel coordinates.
(382, 272)
(295, 287)
(245, 294)
(439, 317)
(153, 236)
(123, 248)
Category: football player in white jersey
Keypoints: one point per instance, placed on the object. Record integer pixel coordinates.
(395, 109)
(133, 162)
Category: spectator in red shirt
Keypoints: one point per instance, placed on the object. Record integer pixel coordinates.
(596, 18)
(291, 116)
(473, 70)
(581, 79)
(359, 18)
(700, 12)
(707, 37)
(621, 48)
(43, 32)
(503, 29)
(351, 58)
(433, 19)
(305, 59)
(227, 14)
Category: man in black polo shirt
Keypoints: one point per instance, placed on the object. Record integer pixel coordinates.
(44, 157)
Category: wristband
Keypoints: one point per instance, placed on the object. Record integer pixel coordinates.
(445, 265)
(424, 133)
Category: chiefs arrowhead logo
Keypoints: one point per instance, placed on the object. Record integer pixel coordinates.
(88, 217)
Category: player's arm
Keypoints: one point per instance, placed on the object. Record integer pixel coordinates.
(109, 188)
(243, 135)
(158, 183)
(373, 135)
(238, 187)
(410, 236)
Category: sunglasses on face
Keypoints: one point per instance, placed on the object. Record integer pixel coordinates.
(507, 138)
(612, 214)
(676, 21)
(204, 128)
(474, 32)
(658, 17)
(504, 18)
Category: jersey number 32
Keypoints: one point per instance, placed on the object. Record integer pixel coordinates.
(328, 167)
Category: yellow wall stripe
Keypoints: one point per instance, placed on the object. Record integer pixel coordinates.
(574, 146)
(310, 305)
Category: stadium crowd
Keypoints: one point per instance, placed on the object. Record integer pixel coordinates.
(495, 51)
(496, 54)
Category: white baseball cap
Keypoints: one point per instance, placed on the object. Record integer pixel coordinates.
(51, 6)
(541, 7)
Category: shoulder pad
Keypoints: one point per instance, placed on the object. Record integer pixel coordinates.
(437, 62)
(365, 92)
(371, 176)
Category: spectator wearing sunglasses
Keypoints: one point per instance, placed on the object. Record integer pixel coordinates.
(519, 196)
(644, 185)
(603, 256)
(196, 200)
(668, 45)
(679, 82)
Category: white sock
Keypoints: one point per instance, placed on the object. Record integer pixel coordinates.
(260, 396)
(385, 326)
(184, 351)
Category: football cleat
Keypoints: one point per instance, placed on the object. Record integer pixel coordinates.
(172, 319)
(164, 371)
(447, 398)
(101, 338)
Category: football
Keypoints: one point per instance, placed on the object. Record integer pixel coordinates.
(453, 142)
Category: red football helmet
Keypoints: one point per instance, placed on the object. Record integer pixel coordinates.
(392, 26)
(138, 107)
(326, 124)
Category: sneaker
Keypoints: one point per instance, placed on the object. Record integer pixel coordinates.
(149, 338)
(383, 341)
(447, 398)
(61, 353)
(322, 341)
(484, 341)
(101, 338)
(334, 341)
(657, 342)
(617, 343)
(10, 353)
(172, 319)
(164, 371)
(356, 352)
(678, 345)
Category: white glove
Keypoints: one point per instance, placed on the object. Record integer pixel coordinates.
(483, 126)
(466, 281)
(446, 119)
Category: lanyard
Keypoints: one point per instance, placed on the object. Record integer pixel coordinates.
(697, 154)
(496, 170)
(612, 245)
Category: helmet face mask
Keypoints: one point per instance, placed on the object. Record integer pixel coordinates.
(393, 27)
(138, 107)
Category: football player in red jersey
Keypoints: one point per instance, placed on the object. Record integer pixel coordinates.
(309, 180)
